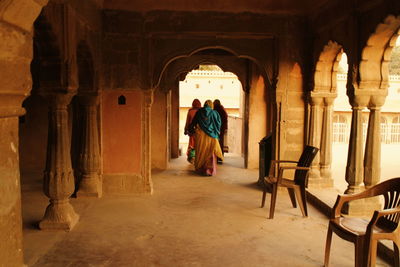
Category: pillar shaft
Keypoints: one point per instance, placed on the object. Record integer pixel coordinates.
(146, 117)
(326, 142)
(58, 175)
(89, 156)
(315, 136)
(354, 168)
(11, 248)
(372, 157)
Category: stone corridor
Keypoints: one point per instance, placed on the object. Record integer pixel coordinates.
(189, 221)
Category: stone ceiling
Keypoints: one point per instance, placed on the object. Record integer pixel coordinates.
(235, 6)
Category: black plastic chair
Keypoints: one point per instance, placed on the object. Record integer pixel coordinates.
(296, 186)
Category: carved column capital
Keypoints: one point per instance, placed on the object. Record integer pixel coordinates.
(329, 100)
(59, 100)
(10, 104)
(376, 102)
(360, 98)
(316, 100)
(88, 100)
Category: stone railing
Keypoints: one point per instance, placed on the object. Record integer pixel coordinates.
(211, 73)
(392, 78)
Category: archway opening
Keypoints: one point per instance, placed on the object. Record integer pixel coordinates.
(209, 81)
(341, 125)
(390, 115)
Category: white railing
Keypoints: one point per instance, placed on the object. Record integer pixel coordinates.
(341, 76)
(340, 132)
(212, 73)
(390, 133)
(392, 78)
(395, 133)
(385, 133)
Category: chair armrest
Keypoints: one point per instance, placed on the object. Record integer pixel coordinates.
(294, 168)
(283, 161)
(342, 199)
(275, 164)
(282, 169)
(380, 213)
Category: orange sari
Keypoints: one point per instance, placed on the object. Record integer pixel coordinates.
(207, 149)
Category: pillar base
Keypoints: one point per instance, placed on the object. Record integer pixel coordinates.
(314, 174)
(89, 188)
(59, 215)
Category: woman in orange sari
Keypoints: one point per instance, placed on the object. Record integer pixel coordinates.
(207, 124)
(196, 105)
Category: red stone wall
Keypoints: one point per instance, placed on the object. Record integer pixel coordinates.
(121, 127)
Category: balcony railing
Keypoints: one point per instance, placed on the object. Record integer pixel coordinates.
(392, 78)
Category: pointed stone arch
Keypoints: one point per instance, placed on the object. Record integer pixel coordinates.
(321, 112)
(326, 68)
(182, 66)
(242, 66)
(222, 49)
(372, 91)
(375, 55)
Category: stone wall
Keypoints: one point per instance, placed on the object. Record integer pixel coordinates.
(139, 48)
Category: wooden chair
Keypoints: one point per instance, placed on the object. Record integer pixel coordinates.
(296, 186)
(365, 234)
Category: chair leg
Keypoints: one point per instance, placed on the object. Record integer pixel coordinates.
(328, 246)
(304, 199)
(292, 196)
(301, 198)
(359, 254)
(396, 255)
(370, 257)
(263, 196)
(273, 200)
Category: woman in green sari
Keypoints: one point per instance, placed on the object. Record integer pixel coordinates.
(207, 125)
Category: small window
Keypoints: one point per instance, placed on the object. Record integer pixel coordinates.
(197, 86)
(121, 100)
(221, 87)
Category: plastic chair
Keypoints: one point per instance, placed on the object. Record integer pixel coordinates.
(365, 234)
(296, 186)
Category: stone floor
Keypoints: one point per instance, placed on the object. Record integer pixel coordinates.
(190, 220)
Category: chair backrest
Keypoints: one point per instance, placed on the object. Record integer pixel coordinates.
(390, 190)
(306, 158)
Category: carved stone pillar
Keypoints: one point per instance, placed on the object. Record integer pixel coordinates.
(326, 142)
(372, 156)
(354, 168)
(315, 137)
(146, 122)
(58, 175)
(11, 248)
(89, 156)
